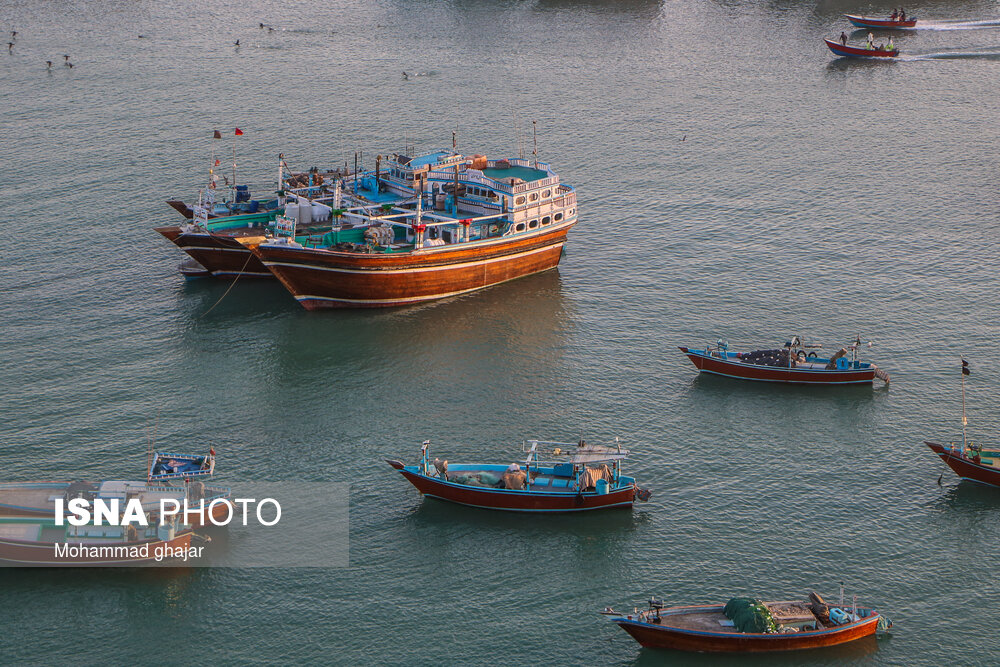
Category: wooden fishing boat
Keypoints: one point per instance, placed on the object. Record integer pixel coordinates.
(855, 52)
(584, 477)
(745, 625)
(37, 499)
(970, 461)
(881, 24)
(219, 234)
(425, 228)
(30, 541)
(219, 251)
(795, 363)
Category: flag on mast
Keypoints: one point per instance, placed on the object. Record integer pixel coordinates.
(217, 135)
(239, 132)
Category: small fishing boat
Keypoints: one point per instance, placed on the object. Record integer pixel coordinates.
(881, 24)
(746, 625)
(31, 541)
(795, 363)
(422, 228)
(583, 477)
(37, 499)
(855, 52)
(970, 461)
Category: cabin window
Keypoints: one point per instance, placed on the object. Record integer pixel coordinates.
(534, 196)
(547, 194)
(558, 217)
(533, 224)
(446, 235)
(519, 227)
(519, 201)
(546, 220)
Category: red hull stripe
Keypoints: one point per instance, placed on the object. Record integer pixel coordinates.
(652, 635)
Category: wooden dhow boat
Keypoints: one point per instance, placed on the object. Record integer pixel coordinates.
(423, 228)
(881, 24)
(170, 476)
(218, 234)
(970, 461)
(794, 363)
(856, 52)
(583, 477)
(748, 625)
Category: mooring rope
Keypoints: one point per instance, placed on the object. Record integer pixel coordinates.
(249, 257)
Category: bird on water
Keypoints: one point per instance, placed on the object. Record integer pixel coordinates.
(237, 43)
(48, 64)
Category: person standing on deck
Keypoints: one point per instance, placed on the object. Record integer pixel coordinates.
(843, 38)
(871, 42)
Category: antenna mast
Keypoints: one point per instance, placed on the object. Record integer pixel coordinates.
(534, 138)
(965, 421)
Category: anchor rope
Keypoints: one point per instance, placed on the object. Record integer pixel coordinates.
(231, 285)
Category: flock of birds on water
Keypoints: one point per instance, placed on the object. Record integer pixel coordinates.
(262, 26)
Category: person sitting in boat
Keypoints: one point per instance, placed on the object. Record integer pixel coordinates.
(895, 15)
(843, 38)
(902, 14)
(890, 46)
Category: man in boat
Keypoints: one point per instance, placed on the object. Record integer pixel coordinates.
(895, 15)
(871, 42)
(902, 14)
(890, 46)
(843, 38)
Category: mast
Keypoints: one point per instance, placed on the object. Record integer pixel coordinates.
(534, 139)
(281, 172)
(965, 421)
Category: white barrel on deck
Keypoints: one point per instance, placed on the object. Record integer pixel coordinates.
(320, 212)
(305, 213)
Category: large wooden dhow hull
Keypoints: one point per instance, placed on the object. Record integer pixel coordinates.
(652, 635)
(223, 256)
(33, 554)
(517, 501)
(966, 468)
(745, 371)
(321, 278)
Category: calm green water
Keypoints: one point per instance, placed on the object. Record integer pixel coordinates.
(735, 181)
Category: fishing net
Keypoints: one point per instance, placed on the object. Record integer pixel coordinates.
(749, 615)
(765, 357)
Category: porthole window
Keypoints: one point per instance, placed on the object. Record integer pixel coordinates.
(547, 194)
(558, 217)
(546, 220)
(519, 227)
(519, 201)
(533, 224)
(534, 196)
